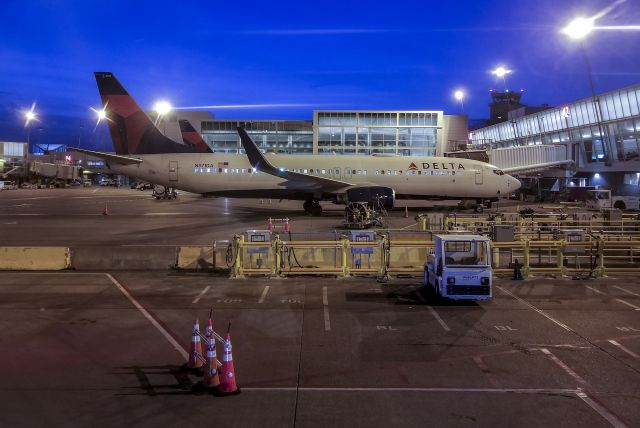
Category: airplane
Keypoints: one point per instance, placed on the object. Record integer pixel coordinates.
(192, 138)
(144, 153)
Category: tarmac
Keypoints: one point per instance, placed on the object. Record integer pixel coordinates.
(105, 348)
(73, 217)
(81, 349)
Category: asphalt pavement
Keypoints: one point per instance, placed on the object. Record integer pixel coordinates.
(85, 349)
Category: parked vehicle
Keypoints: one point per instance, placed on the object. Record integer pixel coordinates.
(460, 267)
(144, 186)
(7, 185)
(602, 199)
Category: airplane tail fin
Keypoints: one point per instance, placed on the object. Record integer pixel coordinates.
(132, 132)
(191, 137)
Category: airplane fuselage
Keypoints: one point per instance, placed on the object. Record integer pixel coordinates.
(412, 177)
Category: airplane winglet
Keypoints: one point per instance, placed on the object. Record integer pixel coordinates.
(256, 158)
(295, 180)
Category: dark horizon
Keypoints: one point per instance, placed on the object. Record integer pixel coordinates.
(338, 56)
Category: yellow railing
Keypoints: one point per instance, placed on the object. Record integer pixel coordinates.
(386, 256)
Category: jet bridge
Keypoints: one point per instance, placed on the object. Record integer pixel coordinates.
(521, 159)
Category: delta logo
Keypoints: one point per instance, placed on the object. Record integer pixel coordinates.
(412, 167)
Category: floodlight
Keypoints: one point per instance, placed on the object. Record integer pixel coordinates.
(162, 107)
(579, 28)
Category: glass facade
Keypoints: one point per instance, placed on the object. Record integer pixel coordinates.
(13, 155)
(292, 137)
(334, 132)
(384, 132)
(577, 123)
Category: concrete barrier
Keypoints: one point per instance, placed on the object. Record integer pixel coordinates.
(123, 258)
(34, 258)
(197, 257)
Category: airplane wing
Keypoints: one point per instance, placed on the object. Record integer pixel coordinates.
(123, 160)
(294, 180)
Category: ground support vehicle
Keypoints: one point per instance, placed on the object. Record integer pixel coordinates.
(460, 267)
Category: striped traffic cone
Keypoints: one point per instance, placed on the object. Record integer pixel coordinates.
(210, 369)
(105, 211)
(227, 373)
(195, 350)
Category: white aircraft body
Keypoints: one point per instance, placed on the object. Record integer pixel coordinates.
(311, 178)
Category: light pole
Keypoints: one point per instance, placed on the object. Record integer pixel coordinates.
(162, 108)
(29, 116)
(459, 96)
(578, 30)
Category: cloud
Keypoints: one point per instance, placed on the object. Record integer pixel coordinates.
(245, 106)
(347, 31)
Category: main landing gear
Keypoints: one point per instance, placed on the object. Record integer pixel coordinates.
(312, 207)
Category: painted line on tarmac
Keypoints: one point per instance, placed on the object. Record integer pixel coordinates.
(437, 317)
(161, 214)
(624, 348)
(407, 227)
(568, 370)
(624, 302)
(95, 190)
(540, 311)
(626, 291)
(637, 308)
(264, 294)
(595, 290)
(485, 369)
(325, 303)
(151, 319)
(601, 410)
(202, 293)
(433, 312)
(417, 389)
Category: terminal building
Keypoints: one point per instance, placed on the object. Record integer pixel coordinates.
(13, 159)
(601, 136)
(342, 132)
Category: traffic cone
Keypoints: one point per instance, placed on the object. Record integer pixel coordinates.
(270, 226)
(195, 350)
(227, 373)
(210, 369)
(406, 212)
(105, 211)
(287, 229)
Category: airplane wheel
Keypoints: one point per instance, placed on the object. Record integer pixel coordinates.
(316, 210)
(307, 206)
(313, 208)
(479, 208)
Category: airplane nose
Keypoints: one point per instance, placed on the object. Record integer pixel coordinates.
(516, 184)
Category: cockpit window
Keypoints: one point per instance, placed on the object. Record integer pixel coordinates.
(498, 172)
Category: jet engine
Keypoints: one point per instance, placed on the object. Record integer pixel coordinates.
(376, 197)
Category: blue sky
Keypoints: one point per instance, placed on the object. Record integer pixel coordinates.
(329, 54)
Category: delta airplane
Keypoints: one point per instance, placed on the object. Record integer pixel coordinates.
(144, 153)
